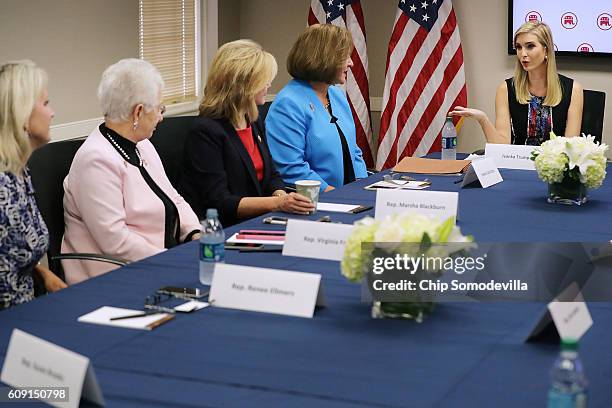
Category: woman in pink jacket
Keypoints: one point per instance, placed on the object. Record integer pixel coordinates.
(118, 200)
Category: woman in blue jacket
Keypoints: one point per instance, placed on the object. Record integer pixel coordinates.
(310, 128)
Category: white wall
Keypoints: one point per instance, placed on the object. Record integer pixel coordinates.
(74, 40)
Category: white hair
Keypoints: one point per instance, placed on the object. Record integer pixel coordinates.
(127, 83)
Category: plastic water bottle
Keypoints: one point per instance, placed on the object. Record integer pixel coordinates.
(212, 246)
(568, 386)
(449, 140)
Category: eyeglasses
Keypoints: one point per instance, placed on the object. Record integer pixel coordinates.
(153, 302)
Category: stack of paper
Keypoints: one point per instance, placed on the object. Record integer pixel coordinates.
(398, 185)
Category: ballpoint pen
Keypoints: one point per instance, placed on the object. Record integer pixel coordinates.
(134, 315)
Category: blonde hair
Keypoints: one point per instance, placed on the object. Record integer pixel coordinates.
(319, 52)
(544, 35)
(21, 85)
(239, 70)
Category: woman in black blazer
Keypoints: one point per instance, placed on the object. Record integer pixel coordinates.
(227, 164)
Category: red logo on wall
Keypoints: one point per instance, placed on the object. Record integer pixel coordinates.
(604, 21)
(533, 16)
(585, 47)
(569, 20)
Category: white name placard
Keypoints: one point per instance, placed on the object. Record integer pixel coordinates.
(484, 171)
(572, 318)
(508, 156)
(439, 204)
(33, 362)
(317, 240)
(266, 290)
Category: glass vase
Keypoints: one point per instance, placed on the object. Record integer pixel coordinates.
(569, 191)
(416, 311)
(413, 304)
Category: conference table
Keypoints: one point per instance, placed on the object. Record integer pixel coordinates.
(466, 354)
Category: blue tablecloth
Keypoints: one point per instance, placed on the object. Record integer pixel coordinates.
(465, 354)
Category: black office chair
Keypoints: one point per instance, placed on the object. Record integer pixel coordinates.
(593, 113)
(49, 165)
(170, 136)
(169, 141)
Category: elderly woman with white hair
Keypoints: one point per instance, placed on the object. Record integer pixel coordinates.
(118, 200)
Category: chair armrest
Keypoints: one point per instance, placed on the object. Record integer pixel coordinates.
(92, 257)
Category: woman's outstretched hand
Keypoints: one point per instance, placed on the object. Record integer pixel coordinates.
(468, 113)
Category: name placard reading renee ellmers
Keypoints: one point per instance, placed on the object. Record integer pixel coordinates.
(266, 290)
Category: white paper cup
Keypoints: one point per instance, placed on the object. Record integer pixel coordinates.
(309, 189)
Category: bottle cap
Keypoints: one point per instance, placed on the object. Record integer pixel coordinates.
(569, 344)
(449, 117)
(212, 213)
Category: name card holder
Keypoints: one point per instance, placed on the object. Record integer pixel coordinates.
(482, 171)
(316, 240)
(266, 290)
(33, 362)
(509, 156)
(438, 204)
(565, 317)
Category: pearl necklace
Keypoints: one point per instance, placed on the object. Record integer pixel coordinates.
(123, 153)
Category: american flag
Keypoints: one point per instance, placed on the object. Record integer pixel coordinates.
(424, 80)
(348, 13)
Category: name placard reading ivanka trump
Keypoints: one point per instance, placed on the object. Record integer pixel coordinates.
(317, 240)
(439, 204)
(266, 290)
(507, 156)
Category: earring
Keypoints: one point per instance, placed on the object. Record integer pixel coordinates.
(135, 125)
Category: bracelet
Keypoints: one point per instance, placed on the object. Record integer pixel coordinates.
(279, 193)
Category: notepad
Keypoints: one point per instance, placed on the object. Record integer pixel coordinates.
(332, 207)
(105, 313)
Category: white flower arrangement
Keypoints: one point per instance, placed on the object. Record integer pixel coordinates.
(579, 158)
(400, 230)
